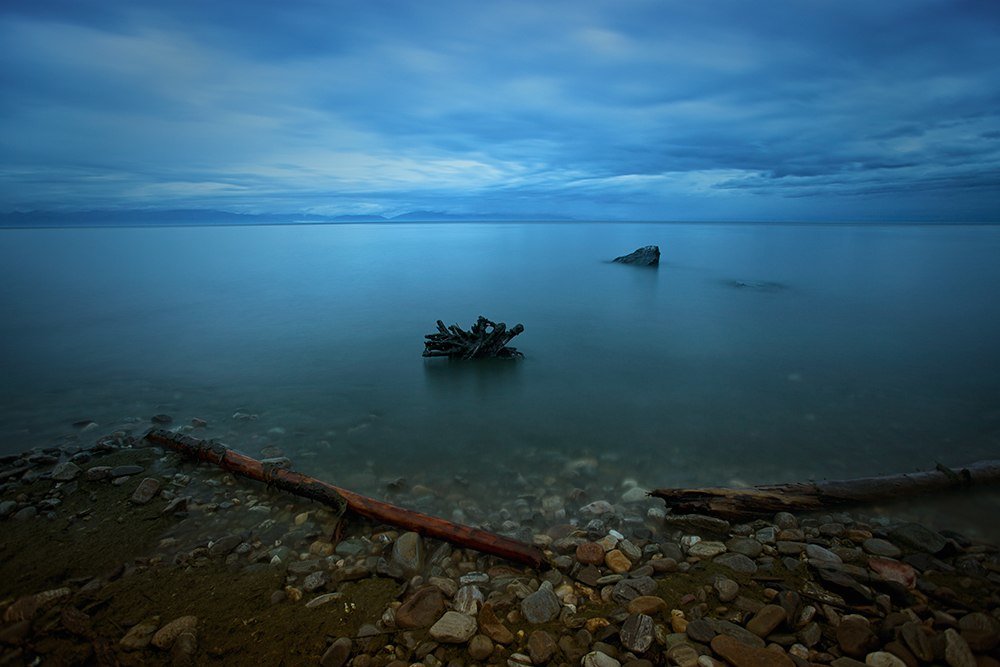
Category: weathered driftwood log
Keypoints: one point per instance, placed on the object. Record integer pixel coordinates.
(484, 339)
(766, 499)
(341, 499)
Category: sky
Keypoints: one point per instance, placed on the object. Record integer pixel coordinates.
(618, 110)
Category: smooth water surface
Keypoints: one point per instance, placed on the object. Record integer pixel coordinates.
(753, 353)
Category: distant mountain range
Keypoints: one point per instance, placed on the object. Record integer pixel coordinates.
(125, 217)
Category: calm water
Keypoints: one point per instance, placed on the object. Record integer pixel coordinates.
(848, 350)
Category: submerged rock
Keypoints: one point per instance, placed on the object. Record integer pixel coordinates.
(146, 491)
(646, 256)
(66, 471)
(541, 606)
(408, 553)
(454, 628)
(422, 609)
(757, 285)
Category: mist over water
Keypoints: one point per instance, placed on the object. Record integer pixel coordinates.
(754, 353)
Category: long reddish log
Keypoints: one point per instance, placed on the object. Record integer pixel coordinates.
(314, 489)
(766, 499)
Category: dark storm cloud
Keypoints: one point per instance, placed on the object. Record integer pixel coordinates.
(625, 109)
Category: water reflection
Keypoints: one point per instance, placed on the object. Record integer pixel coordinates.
(482, 378)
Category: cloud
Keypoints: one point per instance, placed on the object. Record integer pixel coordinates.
(594, 109)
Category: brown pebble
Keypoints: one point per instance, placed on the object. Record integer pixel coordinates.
(766, 620)
(480, 647)
(594, 624)
(646, 604)
(590, 553)
(541, 647)
(855, 636)
(491, 626)
(422, 609)
(678, 623)
(617, 561)
(740, 655)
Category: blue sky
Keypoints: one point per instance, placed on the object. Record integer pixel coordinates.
(627, 109)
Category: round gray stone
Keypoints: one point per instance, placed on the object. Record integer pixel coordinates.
(879, 547)
(737, 562)
(747, 546)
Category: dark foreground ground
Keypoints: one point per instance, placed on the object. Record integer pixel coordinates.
(118, 554)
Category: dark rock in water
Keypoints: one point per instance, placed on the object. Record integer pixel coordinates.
(96, 473)
(627, 589)
(161, 419)
(645, 256)
(918, 538)
(541, 606)
(123, 470)
(146, 491)
(697, 522)
(422, 609)
(454, 628)
(66, 471)
(315, 581)
(737, 562)
(177, 505)
(222, 546)
(492, 627)
(408, 553)
(757, 285)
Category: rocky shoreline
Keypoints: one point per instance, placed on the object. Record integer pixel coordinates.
(117, 553)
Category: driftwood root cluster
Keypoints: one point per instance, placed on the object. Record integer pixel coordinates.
(484, 340)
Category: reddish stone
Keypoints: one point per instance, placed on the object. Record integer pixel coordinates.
(491, 626)
(590, 553)
(740, 655)
(422, 609)
(893, 570)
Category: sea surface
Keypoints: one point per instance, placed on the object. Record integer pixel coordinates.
(754, 353)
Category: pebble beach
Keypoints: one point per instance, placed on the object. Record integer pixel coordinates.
(116, 552)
